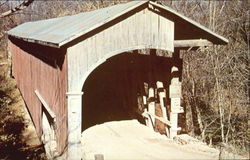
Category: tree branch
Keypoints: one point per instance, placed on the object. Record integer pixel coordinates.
(20, 7)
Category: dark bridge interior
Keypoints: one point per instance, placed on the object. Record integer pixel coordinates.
(111, 91)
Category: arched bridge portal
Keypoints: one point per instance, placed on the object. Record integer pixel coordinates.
(115, 90)
(138, 29)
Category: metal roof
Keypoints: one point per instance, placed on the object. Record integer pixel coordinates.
(57, 32)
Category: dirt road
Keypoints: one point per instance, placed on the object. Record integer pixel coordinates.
(132, 140)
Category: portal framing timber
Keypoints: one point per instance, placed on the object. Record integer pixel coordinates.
(74, 124)
(192, 43)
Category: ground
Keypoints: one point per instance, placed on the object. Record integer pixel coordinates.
(132, 140)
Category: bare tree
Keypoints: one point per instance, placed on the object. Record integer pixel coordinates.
(20, 7)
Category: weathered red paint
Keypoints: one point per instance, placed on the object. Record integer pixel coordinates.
(44, 69)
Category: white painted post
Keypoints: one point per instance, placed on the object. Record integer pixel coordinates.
(175, 96)
(151, 106)
(74, 125)
(174, 118)
(162, 95)
(147, 118)
(144, 98)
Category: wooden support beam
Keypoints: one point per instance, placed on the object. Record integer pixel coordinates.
(192, 43)
(162, 95)
(145, 113)
(46, 106)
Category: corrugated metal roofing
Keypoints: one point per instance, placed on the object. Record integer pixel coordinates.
(59, 31)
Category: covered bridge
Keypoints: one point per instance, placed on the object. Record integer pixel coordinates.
(77, 71)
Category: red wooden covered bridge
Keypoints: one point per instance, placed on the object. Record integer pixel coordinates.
(109, 64)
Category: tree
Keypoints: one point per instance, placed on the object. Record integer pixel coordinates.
(20, 7)
(216, 79)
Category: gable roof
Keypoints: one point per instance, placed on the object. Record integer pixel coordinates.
(57, 32)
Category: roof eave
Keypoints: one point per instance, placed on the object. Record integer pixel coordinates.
(44, 43)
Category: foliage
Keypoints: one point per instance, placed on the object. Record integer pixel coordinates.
(11, 144)
(216, 79)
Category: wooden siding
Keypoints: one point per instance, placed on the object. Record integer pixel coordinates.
(46, 74)
(143, 29)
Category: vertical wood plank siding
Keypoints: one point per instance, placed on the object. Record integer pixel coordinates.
(32, 73)
(145, 29)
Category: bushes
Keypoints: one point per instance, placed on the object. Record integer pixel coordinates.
(12, 146)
